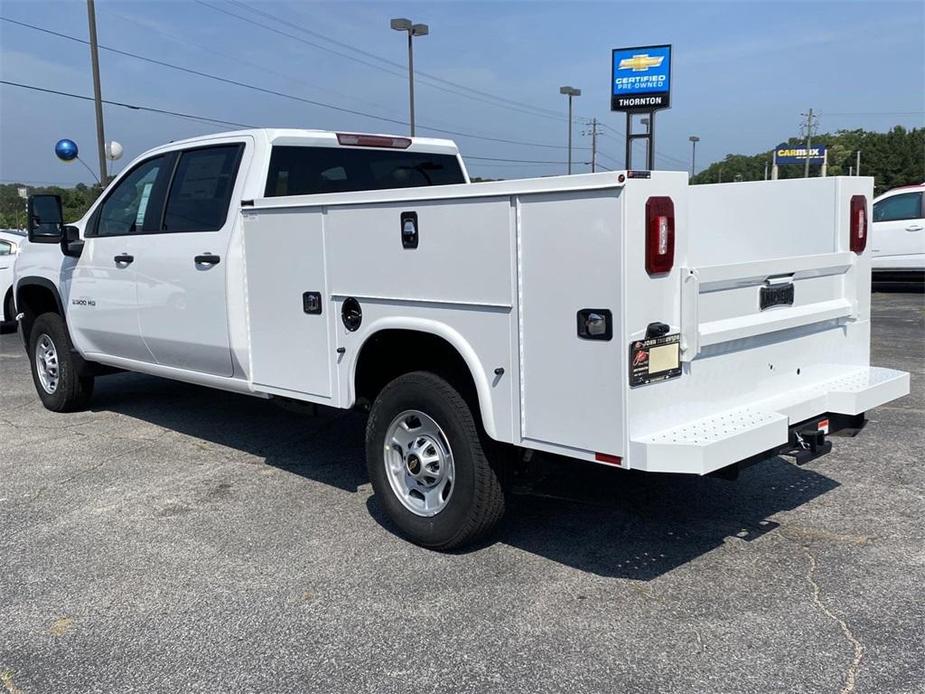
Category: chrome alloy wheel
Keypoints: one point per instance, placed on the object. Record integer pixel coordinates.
(419, 463)
(46, 363)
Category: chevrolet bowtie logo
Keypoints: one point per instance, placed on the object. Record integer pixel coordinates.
(641, 62)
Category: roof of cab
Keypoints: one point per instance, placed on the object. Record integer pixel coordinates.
(322, 138)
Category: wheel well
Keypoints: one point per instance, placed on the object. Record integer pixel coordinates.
(390, 353)
(32, 300)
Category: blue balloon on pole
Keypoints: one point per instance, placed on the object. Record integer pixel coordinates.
(66, 150)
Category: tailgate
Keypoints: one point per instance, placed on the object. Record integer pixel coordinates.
(769, 257)
(774, 325)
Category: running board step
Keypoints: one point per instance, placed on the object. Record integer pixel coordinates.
(711, 443)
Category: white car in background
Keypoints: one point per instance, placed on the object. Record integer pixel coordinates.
(898, 235)
(10, 242)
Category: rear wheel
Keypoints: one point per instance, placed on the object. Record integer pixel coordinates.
(55, 367)
(427, 463)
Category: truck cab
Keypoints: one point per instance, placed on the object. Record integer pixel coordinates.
(154, 283)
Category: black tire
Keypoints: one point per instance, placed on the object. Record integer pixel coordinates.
(73, 389)
(476, 503)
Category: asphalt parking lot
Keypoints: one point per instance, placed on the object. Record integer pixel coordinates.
(175, 538)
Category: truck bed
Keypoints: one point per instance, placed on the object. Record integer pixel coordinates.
(501, 271)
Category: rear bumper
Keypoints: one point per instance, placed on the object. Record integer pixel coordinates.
(704, 445)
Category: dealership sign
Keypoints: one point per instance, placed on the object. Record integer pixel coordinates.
(641, 79)
(796, 154)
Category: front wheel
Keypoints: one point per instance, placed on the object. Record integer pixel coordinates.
(427, 463)
(55, 367)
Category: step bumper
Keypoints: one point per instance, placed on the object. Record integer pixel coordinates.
(710, 443)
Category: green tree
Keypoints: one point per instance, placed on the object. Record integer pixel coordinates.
(893, 158)
(74, 202)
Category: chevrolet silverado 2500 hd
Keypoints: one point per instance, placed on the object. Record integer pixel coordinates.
(625, 318)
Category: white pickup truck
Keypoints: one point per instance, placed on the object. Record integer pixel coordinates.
(625, 318)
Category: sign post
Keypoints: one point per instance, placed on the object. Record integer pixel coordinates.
(640, 83)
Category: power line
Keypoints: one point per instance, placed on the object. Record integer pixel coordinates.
(874, 113)
(288, 77)
(604, 155)
(132, 107)
(274, 92)
(375, 66)
(515, 161)
(151, 109)
(658, 155)
(198, 45)
(466, 91)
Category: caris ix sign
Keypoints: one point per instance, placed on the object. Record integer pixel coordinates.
(796, 154)
(641, 78)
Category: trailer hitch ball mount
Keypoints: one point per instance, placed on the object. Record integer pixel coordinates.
(806, 444)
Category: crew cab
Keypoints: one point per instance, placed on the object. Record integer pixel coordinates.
(624, 318)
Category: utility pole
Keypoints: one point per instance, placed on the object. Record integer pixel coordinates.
(857, 168)
(809, 141)
(593, 134)
(593, 145)
(97, 93)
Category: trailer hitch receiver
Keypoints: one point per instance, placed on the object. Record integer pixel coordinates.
(807, 442)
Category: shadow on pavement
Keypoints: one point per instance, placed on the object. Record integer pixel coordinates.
(327, 448)
(601, 520)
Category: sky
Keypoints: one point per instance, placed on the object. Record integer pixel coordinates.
(743, 73)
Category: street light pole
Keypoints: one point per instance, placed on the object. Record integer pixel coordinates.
(570, 92)
(694, 140)
(97, 93)
(402, 24)
(411, 80)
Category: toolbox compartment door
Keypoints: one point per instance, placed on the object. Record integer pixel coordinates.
(289, 334)
(570, 255)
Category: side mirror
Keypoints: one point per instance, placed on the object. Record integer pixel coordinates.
(46, 223)
(71, 244)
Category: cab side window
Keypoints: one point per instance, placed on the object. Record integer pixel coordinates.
(898, 207)
(131, 207)
(201, 189)
(6, 248)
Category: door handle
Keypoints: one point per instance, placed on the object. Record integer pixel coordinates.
(207, 259)
(124, 259)
(914, 227)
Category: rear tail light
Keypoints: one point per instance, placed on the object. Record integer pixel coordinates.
(858, 223)
(659, 235)
(358, 140)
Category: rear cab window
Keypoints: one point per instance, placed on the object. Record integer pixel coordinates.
(296, 170)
